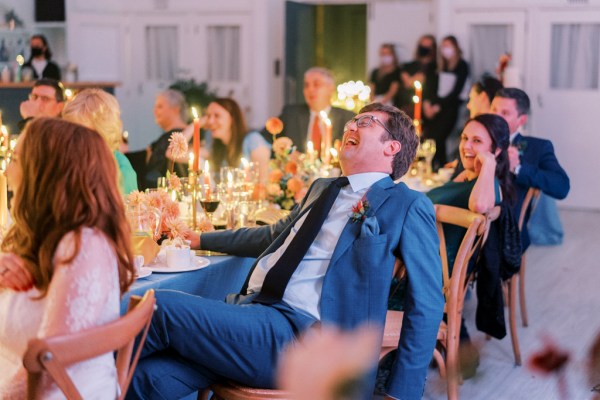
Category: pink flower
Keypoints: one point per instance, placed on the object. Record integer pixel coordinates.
(157, 198)
(350, 355)
(282, 146)
(174, 181)
(136, 198)
(178, 146)
(177, 228)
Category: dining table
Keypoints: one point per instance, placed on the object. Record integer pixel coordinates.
(223, 275)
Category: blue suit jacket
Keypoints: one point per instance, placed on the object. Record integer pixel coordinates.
(399, 223)
(295, 120)
(539, 169)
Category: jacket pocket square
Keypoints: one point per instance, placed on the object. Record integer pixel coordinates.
(369, 227)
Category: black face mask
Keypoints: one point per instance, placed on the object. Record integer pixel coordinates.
(423, 51)
(37, 51)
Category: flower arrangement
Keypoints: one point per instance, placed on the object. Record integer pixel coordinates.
(287, 180)
(359, 211)
(158, 211)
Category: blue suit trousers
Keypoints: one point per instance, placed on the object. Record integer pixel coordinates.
(194, 341)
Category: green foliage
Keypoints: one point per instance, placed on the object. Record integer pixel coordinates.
(196, 94)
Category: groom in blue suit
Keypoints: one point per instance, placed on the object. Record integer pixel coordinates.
(342, 276)
(532, 160)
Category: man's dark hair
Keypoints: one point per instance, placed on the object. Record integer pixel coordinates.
(402, 129)
(489, 85)
(519, 96)
(58, 87)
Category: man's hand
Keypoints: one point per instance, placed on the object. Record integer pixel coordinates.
(13, 274)
(513, 158)
(29, 108)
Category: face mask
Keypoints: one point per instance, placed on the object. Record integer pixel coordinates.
(423, 51)
(387, 60)
(36, 51)
(447, 52)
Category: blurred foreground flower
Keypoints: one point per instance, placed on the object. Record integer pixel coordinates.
(329, 364)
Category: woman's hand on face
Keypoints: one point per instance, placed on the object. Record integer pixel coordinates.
(13, 274)
(484, 159)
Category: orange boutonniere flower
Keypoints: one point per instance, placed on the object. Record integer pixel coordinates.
(359, 211)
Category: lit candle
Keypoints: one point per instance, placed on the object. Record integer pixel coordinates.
(417, 99)
(326, 144)
(191, 162)
(310, 151)
(196, 139)
(3, 197)
(334, 154)
(4, 136)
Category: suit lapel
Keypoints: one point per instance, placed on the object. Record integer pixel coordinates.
(376, 196)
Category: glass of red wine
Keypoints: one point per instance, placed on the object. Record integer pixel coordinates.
(209, 200)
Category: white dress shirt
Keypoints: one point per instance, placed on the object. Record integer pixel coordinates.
(303, 292)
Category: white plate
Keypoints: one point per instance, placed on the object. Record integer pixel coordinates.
(197, 263)
(144, 272)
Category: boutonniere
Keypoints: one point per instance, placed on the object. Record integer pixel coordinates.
(521, 146)
(359, 211)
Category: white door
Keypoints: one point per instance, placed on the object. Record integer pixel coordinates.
(484, 36)
(155, 48)
(565, 106)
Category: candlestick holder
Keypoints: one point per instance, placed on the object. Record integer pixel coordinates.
(192, 180)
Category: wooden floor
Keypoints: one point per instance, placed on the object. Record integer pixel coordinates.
(563, 288)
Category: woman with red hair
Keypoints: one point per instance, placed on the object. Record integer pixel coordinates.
(67, 258)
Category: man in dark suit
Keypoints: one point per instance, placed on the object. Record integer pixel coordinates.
(299, 120)
(532, 160)
(340, 277)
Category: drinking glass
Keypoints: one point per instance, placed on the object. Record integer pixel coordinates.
(428, 147)
(161, 183)
(209, 200)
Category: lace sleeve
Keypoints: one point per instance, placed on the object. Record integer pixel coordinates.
(85, 292)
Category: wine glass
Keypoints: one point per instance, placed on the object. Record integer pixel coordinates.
(209, 200)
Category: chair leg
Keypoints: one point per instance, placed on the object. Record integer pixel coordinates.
(512, 298)
(522, 300)
(453, 375)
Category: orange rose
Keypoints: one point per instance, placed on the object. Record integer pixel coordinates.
(291, 168)
(275, 176)
(294, 185)
(274, 125)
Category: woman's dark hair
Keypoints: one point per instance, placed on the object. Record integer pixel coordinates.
(497, 128)
(47, 52)
(232, 152)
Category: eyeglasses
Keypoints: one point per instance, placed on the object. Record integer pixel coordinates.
(364, 121)
(43, 99)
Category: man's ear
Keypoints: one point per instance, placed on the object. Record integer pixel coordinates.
(522, 119)
(393, 147)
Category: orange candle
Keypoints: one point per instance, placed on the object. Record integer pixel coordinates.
(196, 140)
(207, 179)
(418, 100)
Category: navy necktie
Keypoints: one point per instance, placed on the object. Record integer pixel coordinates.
(279, 275)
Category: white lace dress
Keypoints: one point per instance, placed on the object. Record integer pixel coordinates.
(82, 294)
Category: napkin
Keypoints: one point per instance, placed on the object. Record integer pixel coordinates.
(145, 246)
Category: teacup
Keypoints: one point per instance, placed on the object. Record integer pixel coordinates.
(178, 256)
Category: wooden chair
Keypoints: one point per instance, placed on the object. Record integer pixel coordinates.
(53, 354)
(528, 206)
